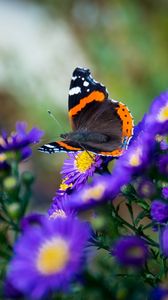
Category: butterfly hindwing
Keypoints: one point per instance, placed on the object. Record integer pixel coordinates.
(60, 146)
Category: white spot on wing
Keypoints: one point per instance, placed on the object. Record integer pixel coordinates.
(49, 146)
(114, 101)
(74, 91)
(86, 83)
(74, 77)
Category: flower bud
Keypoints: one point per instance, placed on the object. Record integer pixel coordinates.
(13, 210)
(98, 223)
(27, 178)
(10, 183)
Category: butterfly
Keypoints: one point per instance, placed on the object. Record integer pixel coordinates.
(99, 124)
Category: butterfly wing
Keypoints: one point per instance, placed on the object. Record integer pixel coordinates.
(91, 110)
(84, 90)
(60, 146)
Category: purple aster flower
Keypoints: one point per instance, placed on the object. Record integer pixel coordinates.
(130, 251)
(146, 188)
(163, 145)
(158, 294)
(165, 192)
(79, 166)
(138, 129)
(163, 164)
(48, 257)
(31, 220)
(59, 207)
(138, 156)
(102, 189)
(164, 240)
(65, 188)
(20, 140)
(157, 119)
(159, 211)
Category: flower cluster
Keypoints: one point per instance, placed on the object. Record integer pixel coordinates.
(106, 231)
(18, 143)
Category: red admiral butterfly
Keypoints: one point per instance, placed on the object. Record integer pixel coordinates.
(100, 125)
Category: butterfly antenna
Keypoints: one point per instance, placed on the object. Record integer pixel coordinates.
(85, 150)
(54, 118)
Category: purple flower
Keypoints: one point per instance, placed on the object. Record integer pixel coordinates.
(48, 256)
(100, 190)
(138, 129)
(158, 294)
(159, 211)
(146, 188)
(138, 156)
(163, 145)
(164, 240)
(157, 119)
(78, 167)
(59, 207)
(165, 192)
(163, 164)
(20, 140)
(130, 251)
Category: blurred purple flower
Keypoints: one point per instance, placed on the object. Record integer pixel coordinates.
(138, 129)
(163, 164)
(146, 188)
(158, 294)
(130, 251)
(165, 192)
(164, 240)
(33, 219)
(20, 140)
(48, 256)
(78, 167)
(138, 156)
(163, 145)
(59, 207)
(157, 119)
(102, 189)
(159, 211)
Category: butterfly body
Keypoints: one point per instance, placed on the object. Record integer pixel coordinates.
(85, 137)
(99, 124)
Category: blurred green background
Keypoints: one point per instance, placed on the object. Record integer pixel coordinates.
(124, 43)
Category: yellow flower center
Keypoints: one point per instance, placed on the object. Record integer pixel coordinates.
(53, 256)
(84, 160)
(94, 193)
(64, 186)
(163, 114)
(135, 160)
(58, 213)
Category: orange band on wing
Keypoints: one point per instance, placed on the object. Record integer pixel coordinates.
(64, 145)
(127, 119)
(95, 95)
(117, 152)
